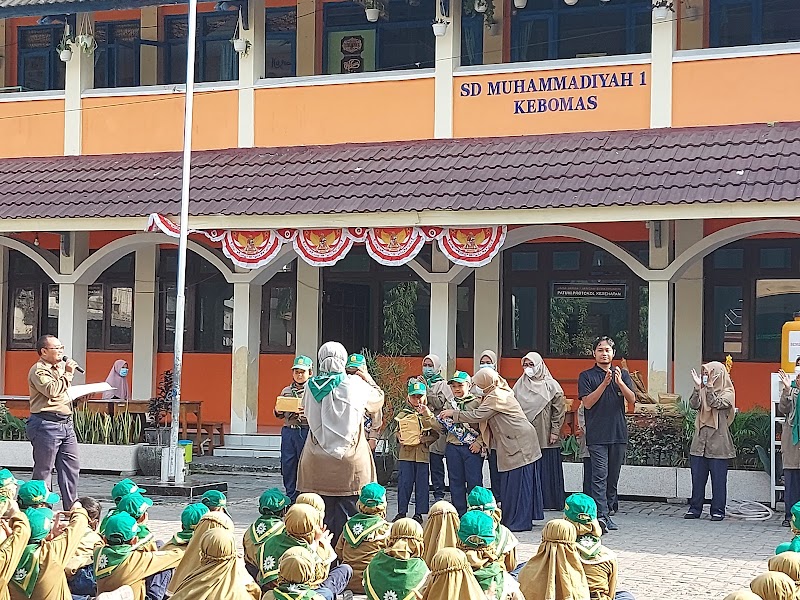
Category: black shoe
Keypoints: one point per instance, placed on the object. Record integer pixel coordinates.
(717, 517)
(603, 526)
(691, 515)
(398, 517)
(438, 498)
(612, 512)
(785, 523)
(417, 518)
(611, 525)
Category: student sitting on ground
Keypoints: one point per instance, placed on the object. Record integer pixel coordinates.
(9, 485)
(136, 506)
(34, 494)
(315, 501)
(295, 574)
(79, 569)
(124, 562)
(272, 505)
(440, 530)
(794, 545)
(118, 492)
(40, 572)
(555, 572)
(215, 501)
(451, 577)
(774, 586)
(364, 534)
(506, 542)
(16, 531)
(398, 570)
(190, 517)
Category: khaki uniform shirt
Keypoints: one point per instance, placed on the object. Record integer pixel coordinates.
(11, 550)
(710, 442)
(470, 404)
(84, 555)
(790, 451)
(48, 386)
(549, 422)
(601, 576)
(53, 559)
(438, 396)
(139, 565)
(291, 419)
(360, 556)
(430, 433)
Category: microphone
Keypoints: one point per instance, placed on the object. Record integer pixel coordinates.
(78, 368)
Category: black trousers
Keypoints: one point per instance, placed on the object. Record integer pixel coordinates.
(702, 467)
(607, 462)
(791, 494)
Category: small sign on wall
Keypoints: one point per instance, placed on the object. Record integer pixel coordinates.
(612, 291)
(351, 51)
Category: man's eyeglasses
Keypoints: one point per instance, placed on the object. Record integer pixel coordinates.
(54, 348)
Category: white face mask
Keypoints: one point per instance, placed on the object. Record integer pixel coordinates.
(529, 371)
(797, 370)
(486, 366)
(705, 380)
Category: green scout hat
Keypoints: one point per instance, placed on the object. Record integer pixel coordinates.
(416, 388)
(459, 377)
(191, 515)
(355, 361)
(303, 362)
(35, 492)
(41, 520)
(476, 529)
(273, 501)
(214, 499)
(6, 477)
(580, 508)
(135, 505)
(796, 516)
(372, 495)
(121, 528)
(481, 499)
(123, 488)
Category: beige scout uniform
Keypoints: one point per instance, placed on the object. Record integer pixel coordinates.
(359, 557)
(439, 394)
(291, 419)
(549, 422)
(787, 407)
(430, 433)
(138, 566)
(84, 555)
(53, 559)
(11, 550)
(710, 442)
(601, 574)
(48, 385)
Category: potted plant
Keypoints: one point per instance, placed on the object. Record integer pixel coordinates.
(495, 28)
(484, 7)
(481, 6)
(156, 436)
(372, 9)
(241, 46)
(661, 9)
(64, 50)
(439, 27)
(86, 43)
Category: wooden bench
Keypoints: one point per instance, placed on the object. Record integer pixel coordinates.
(206, 431)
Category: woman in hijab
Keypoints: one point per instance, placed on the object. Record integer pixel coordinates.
(774, 586)
(337, 460)
(790, 438)
(398, 570)
(504, 426)
(451, 577)
(712, 445)
(743, 594)
(555, 572)
(488, 360)
(438, 396)
(216, 577)
(440, 530)
(295, 574)
(788, 563)
(542, 399)
(118, 379)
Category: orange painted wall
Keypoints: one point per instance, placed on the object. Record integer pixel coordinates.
(274, 374)
(114, 125)
(713, 225)
(206, 377)
(617, 108)
(375, 111)
(735, 90)
(31, 128)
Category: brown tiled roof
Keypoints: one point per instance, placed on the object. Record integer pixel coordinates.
(754, 163)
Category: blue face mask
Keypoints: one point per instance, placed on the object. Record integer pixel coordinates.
(486, 366)
(123, 372)
(705, 379)
(428, 371)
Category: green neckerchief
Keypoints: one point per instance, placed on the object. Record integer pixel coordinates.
(493, 573)
(323, 384)
(796, 423)
(435, 378)
(108, 558)
(506, 541)
(589, 545)
(181, 538)
(389, 577)
(462, 402)
(294, 591)
(27, 572)
(359, 526)
(793, 546)
(264, 527)
(110, 512)
(270, 552)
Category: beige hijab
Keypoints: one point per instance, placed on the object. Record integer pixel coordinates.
(451, 578)
(535, 393)
(441, 530)
(405, 540)
(786, 562)
(315, 501)
(555, 572)
(216, 577)
(296, 566)
(192, 557)
(774, 586)
(721, 385)
(743, 594)
(496, 392)
(301, 521)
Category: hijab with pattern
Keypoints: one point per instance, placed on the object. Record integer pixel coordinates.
(720, 385)
(441, 529)
(536, 392)
(451, 577)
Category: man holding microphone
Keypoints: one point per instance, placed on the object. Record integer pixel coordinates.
(50, 427)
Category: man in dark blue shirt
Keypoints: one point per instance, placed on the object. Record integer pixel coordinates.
(604, 391)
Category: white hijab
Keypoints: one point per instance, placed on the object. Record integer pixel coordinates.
(534, 393)
(336, 421)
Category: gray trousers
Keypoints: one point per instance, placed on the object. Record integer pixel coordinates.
(607, 462)
(55, 445)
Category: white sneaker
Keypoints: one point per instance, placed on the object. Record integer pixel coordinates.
(123, 593)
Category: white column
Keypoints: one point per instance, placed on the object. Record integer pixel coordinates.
(664, 35)
(73, 301)
(251, 69)
(4, 308)
(448, 58)
(306, 37)
(443, 324)
(145, 323)
(486, 325)
(660, 311)
(79, 77)
(246, 346)
(308, 321)
(148, 54)
(688, 309)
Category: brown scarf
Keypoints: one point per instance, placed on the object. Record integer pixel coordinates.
(451, 577)
(720, 384)
(441, 530)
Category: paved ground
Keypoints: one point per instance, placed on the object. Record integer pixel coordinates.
(661, 555)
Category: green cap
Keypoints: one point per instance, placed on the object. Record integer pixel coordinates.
(273, 501)
(355, 361)
(303, 362)
(123, 488)
(134, 504)
(7, 477)
(41, 520)
(191, 516)
(120, 528)
(580, 508)
(214, 499)
(459, 377)
(35, 492)
(481, 499)
(416, 388)
(476, 529)
(372, 495)
(796, 516)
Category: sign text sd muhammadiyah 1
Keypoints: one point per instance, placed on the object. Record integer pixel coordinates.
(562, 93)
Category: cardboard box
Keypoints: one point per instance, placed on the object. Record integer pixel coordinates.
(287, 404)
(409, 430)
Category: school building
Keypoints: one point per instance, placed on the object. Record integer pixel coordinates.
(407, 176)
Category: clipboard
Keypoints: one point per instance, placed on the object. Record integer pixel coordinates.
(287, 404)
(79, 391)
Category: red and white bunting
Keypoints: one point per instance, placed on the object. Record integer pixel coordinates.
(322, 247)
(394, 246)
(156, 223)
(473, 247)
(252, 249)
